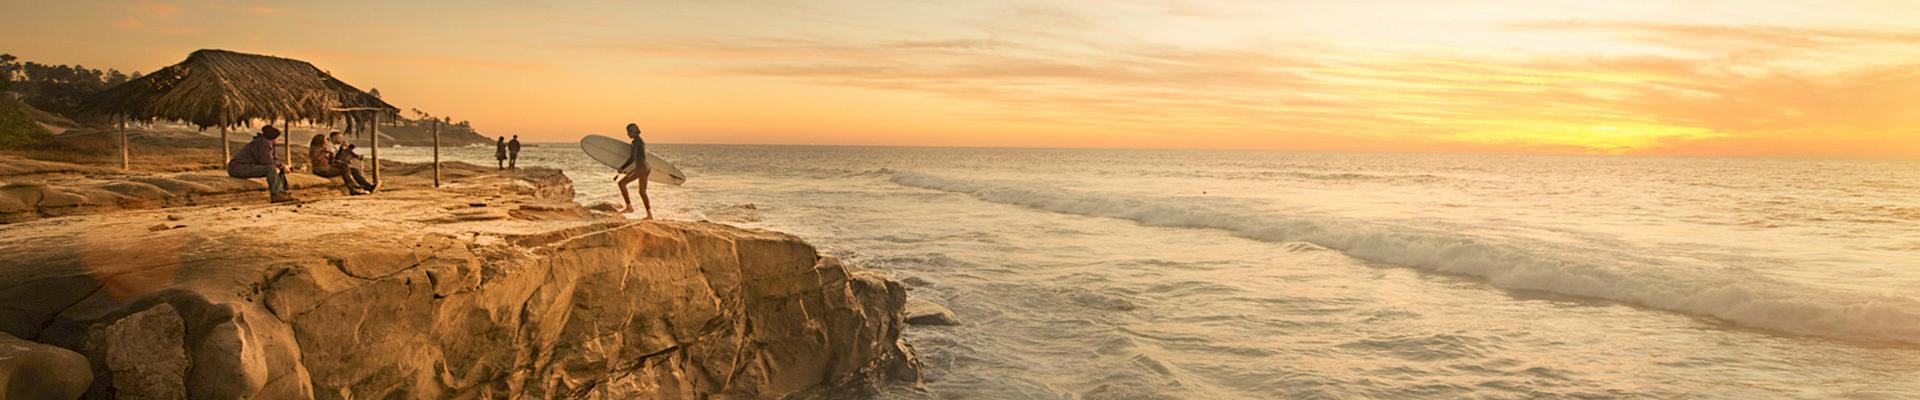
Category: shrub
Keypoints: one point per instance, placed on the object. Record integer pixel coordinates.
(17, 128)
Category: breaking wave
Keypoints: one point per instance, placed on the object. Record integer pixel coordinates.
(1731, 294)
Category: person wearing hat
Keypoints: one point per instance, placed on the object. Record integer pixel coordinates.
(256, 160)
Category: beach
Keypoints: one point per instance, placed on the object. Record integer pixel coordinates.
(1023, 200)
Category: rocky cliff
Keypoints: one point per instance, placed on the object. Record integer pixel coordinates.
(493, 287)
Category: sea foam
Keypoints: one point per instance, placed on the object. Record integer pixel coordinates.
(1736, 295)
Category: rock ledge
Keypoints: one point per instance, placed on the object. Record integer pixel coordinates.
(412, 294)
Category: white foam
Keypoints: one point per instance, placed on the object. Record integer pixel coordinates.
(1731, 294)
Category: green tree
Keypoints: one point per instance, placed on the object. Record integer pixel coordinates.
(17, 129)
(60, 89)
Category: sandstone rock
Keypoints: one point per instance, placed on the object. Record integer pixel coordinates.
(146, 355)
(923, 312)
(385, 297)
(13, 166)
(31, 370)
(604, 207)
(551, 211)
(917, 281)
(57, 193)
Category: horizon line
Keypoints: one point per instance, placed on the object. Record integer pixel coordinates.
(1278, 150)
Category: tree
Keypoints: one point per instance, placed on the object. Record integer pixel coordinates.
(422, 116)
(6, 71)
(57, 88)
(115, 78)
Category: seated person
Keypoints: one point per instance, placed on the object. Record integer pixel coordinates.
(330, 163)
(256, 160)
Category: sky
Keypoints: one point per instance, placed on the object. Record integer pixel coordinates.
(1829, 78)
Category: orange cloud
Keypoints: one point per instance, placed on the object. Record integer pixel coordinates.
(159, 13)
(159, 10)
(1422, 76)
(130, 24)
(1685, 35)
(437, 62)
(1431, 99)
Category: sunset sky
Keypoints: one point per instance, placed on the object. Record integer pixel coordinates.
(1773, 78)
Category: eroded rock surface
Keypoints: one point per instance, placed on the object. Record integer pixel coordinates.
(34, 189)
(147, 355)
(493, 287)
(923, 312)
(31, 370)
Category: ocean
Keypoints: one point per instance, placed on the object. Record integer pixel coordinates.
(1144, 274)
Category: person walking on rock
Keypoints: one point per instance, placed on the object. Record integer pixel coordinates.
(500, 152)
(256, 160)
(513, 153)
(637, 161)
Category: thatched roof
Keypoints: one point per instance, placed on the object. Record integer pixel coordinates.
(219, 87)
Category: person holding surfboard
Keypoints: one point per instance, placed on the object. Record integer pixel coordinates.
(637, 159)
(631, 162)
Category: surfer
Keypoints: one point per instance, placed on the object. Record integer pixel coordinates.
(638, 160)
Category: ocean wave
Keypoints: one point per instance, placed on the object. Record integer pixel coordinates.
(1731, 294)
(1271, 175)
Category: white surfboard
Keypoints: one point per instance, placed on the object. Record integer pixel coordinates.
(613, 152)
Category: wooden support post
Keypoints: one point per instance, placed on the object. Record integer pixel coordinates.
(436, 154)
(286, 140)
(226, 148)
(374, 126)
(125, 164)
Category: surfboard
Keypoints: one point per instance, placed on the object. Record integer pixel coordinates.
(613, 152)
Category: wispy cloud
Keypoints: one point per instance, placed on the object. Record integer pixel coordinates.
(155, 9)
(438, 61)
(1739, 81)
(154, 17)
(1717, 36)
(130, 24)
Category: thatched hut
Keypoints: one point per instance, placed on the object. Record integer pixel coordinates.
(219, 88)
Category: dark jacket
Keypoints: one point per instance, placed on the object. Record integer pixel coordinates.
(513, 146)
(257, 152)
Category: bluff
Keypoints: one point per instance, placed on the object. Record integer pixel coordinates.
(415, 134)
(496, 286)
